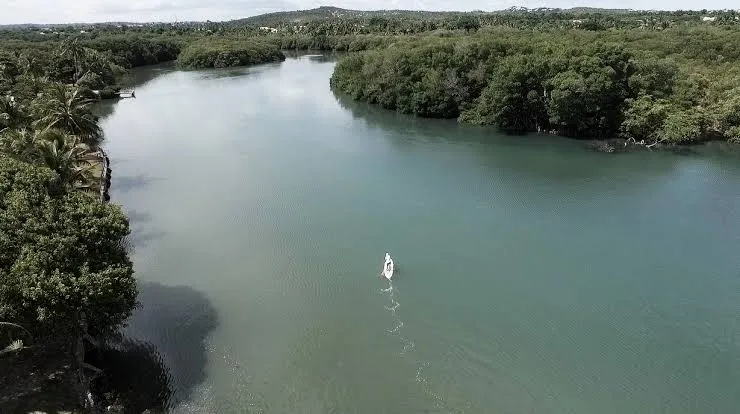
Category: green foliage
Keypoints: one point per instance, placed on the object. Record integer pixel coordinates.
(578, 83)
(656, 77)
(67, 109)
(228, 53)
(61, 255)
(586, 100)
(27, 87)
(728, 114)
(514, 97)
(62, 259)
(134, 50)
(13, 114)
(644, 118)
(681, 126)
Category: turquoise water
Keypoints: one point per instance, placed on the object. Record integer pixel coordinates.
(532, 275)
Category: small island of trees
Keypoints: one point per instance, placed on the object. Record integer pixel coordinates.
(225, 53)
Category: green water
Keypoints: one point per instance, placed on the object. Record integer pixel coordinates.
(533, 276)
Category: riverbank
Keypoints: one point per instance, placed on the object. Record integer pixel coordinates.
(57, 176)
(578, 84)
(39, 379)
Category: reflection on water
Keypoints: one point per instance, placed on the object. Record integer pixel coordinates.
(136, 372)
(549, 161)
(140, 77)
(317, 56)
(238, 72)
(172, 324)
(127, 183)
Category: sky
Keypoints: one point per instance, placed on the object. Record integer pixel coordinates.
(87, 11)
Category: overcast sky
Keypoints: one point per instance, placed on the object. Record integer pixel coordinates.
(64, 11)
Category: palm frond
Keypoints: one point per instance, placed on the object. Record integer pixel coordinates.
(14, 346)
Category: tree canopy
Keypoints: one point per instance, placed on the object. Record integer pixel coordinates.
(228, 53)
(61, 254)
(574, 83)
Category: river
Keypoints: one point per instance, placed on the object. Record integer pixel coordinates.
(533, 276)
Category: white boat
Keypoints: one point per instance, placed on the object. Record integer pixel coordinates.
(388, 267)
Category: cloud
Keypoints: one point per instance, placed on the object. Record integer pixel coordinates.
(64, 11)
(117, 7)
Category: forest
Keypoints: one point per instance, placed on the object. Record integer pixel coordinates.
(66, 281)
(668, 86)
(224, 52)
(648, 77)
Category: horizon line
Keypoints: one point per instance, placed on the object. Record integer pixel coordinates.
(176, 21)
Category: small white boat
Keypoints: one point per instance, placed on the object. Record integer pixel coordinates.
(388, 267)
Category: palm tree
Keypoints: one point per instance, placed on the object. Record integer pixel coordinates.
(20, 143)
(12, 113)
(68, 110)
(77, 165)
(72, 49)
(30, 65)
(8, 65)
(14, 345)
(73, 160)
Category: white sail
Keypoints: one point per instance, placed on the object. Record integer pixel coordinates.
(388, 267)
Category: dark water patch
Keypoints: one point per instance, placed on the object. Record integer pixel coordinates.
(142, 76)
(177, 320)
(231, 73)
(136, 377)
(133, 182)
(141, 238)
(139, 217)
(103, 109)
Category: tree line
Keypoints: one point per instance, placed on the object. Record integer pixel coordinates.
(224, 52)
(676, 85)
(66, 281)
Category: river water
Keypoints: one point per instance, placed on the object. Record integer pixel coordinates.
(533, 276)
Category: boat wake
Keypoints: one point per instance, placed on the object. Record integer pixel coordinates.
(393, 308)
(242, 393)
(408, 346)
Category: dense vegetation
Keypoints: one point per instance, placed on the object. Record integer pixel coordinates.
(134, 50)
(65, 277)
(62, 260)
(332, 20)
(678, 85)
(224, 53)
(652, 76)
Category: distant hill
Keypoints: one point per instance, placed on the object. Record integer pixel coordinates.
(598, 10)
(327, 12)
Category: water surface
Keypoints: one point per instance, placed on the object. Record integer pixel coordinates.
(533, 276)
